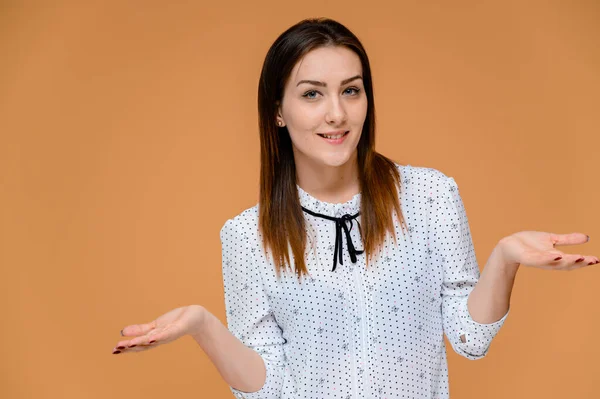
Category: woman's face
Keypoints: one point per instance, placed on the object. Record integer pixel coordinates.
(324, 96)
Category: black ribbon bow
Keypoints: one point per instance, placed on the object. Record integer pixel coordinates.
(340, 223)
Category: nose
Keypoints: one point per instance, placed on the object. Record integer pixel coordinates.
(336, 113)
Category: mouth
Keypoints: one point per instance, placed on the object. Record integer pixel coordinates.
(334, 138)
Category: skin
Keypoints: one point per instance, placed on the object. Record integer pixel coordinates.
(329, 173)
(326, 171)
(490, 299)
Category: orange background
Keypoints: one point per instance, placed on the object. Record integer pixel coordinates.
(129, 135)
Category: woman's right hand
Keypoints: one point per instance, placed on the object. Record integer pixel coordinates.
(168, 327)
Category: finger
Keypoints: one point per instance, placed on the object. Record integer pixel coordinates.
(570, 262)
(138, 329)
(569, 239)
(151, 338)
(141, 348)
(127, 344)
(122, 345)
(554, 257)
(136, 341)
(584, 260)
(544, 260)
(136, 345)
(580, 265)
(593, 261)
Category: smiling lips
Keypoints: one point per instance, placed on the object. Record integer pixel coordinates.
(334, 137)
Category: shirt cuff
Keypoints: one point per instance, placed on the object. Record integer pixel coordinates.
(469, 323)
(475, 332)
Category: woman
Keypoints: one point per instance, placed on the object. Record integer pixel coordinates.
(342, 280)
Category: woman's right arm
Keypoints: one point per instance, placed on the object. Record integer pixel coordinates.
(241, 367)
(248, 353)
(250, 318)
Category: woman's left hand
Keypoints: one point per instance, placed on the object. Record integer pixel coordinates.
(537, 249)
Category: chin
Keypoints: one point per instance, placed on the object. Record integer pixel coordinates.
(336, 161)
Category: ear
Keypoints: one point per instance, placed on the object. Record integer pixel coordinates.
(279, 119)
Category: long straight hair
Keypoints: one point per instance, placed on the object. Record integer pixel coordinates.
(281, 220)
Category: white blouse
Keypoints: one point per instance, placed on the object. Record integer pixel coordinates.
(355, 332)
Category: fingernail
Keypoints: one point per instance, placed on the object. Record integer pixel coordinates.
(152, 341)
(579, 260)
(122, 335)
(588, 237)
(592, 263)
(120, 347)
(115, 352)
(559, 258)
(132, 346)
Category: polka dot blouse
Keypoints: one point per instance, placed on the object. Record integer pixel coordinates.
(353, 332)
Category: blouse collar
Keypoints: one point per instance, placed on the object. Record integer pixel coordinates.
(351, 206)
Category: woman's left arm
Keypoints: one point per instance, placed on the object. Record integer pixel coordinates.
(490, 298)
(474, 306)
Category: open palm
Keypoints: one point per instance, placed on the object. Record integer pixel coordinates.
(538, 249)
(166, 328)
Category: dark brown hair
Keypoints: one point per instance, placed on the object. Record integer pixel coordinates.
(281, 219)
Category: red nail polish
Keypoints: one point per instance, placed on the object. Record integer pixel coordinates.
(559, 258)
(120, 347)
(115, 352)
(152, 341)
(132, 346)
(579, 260)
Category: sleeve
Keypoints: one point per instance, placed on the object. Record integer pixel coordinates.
(461, 273)
(249, 316)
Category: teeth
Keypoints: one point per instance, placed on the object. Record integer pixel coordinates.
(337, 136)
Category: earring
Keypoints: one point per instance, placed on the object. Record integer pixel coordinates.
(279, 123)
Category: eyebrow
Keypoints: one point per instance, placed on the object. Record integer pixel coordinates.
(317, 83)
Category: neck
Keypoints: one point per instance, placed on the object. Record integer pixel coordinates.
(334, 184)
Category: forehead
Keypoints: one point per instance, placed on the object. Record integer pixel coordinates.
(327, 64)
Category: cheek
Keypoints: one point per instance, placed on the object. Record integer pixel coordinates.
(303, 117)
(302, 140)
(301, 133)
(303, 123)
(359, 111)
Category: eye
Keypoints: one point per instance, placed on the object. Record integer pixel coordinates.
(311, 94)
(306, 95)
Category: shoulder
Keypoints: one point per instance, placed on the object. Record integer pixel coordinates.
(241, 227)
(425, 181)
